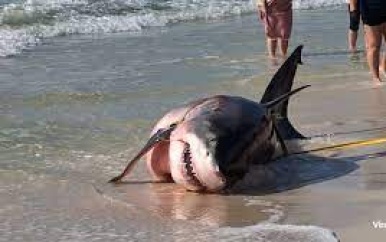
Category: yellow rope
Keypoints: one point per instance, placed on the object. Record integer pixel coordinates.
(348, 145)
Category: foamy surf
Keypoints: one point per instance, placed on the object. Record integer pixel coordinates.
(24, 24)
(276, 232)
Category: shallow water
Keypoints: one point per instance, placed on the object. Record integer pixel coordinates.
(74, 109)
(27, 23)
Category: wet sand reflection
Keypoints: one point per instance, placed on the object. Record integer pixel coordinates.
(244, 204)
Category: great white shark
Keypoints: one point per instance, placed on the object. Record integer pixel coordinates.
(209, 144)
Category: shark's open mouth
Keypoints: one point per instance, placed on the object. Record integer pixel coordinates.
(190, 171)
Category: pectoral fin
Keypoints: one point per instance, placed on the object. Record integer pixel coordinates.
(160, 136)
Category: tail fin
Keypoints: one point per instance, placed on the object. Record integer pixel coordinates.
(281, 84)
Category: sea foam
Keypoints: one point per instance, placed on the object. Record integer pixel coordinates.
(276, 232)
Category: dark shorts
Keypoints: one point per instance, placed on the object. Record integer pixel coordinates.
(374, 20)
(373, 12)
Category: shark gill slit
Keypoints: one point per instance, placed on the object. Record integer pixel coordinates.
(251, 143)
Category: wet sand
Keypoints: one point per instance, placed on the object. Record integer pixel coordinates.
(349, 109)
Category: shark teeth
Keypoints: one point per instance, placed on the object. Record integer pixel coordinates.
(187, 159)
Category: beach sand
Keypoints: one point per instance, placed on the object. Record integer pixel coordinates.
(74, 109)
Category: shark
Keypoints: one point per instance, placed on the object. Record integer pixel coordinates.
(207, 145)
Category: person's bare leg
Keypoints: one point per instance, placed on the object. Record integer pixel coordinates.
(352, 40)
(373, 40)
(283, 47)
(271, 46)
(382, 64)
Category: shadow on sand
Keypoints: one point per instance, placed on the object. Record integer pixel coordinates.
(292, 172)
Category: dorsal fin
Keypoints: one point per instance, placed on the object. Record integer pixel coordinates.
(282, 81)
(280, 85)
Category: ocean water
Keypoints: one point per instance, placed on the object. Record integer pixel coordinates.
(82, 83)
(25, 24)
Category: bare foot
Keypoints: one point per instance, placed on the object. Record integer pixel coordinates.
(273, 60)
(382, 71)
(377, 82)
(353, 50)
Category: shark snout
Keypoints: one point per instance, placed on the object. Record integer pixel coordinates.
(192, 163)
